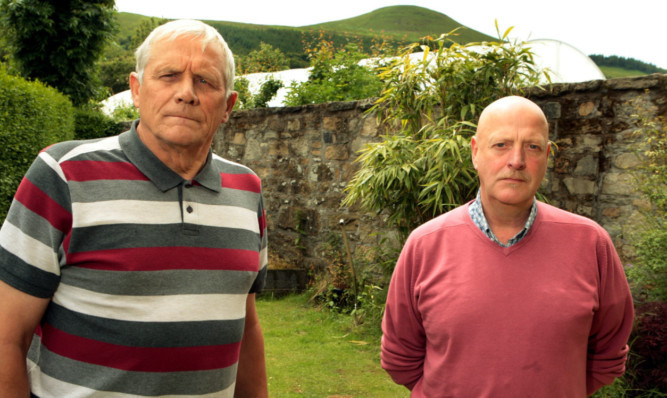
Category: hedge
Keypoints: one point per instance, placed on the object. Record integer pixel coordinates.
(32, 117)
(91, 123)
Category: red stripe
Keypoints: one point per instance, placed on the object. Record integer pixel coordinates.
(243, 182)
(90, 170)
(167, 258)
(140, 359)
(32, 197)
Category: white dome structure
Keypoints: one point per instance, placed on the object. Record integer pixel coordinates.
(287, 77)
(563, 62)
(122, 99)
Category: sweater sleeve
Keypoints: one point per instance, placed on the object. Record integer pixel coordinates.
(403, 340)
(612, 322)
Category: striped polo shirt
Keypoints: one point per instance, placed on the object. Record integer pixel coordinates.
(148, 273)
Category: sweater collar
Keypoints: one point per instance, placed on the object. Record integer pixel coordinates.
(477, 214)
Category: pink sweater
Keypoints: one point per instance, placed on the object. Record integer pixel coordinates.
(547, 317)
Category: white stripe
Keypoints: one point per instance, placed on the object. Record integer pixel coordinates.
(230, 162)
(46, 386)
(53, 164)
(29, 249)
(263, 258)
(106, 144)
(124, 211)
(174, 308)
(150, 212)
(227, 217)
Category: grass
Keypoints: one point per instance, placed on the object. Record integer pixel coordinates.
(612, 72)
(311, 352)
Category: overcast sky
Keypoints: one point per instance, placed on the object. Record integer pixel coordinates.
(627, 28)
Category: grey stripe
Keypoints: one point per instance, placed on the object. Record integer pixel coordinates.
(25, 277)
(102, 190)
(138, 383)
(121, 236)
(229, 167)
(260, 281)
(46, 179)
(145, 334)
(61, 149)
(161, 283)
(34, 225)
(234, 197)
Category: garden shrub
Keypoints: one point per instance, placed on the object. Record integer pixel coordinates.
(91, 123)
(32, 117)
(247, 100)
(265, 59)
(361, 292)
(648, 273)
(336, 75)
(125, 113)
(650, 346)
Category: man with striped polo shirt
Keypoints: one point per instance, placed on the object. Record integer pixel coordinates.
(129, 265)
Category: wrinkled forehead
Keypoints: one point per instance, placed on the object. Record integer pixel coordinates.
(180, 48)
(192, 41)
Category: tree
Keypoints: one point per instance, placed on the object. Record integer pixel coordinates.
(115, 68)
(336, 75)
(267, 90)
(266, 59)
(429, 104)
(115, 73)
(146, 26)
(59, 42)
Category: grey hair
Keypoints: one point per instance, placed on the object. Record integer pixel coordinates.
(195, 29)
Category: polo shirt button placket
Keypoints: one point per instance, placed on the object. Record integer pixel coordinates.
(190, 215)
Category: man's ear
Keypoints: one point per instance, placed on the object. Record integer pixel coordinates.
(135, 85)
(473, 151)
(231, 100)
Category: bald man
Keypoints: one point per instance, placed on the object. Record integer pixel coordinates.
(506, 296)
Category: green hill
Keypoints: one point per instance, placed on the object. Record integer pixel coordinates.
(401, 24)
(409, 22)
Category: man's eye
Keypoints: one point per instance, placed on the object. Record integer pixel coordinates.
(500, 145)
(203, 81)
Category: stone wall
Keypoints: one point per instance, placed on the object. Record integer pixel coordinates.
(305, 155)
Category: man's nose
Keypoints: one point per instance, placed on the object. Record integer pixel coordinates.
(186, 92)
(517, 159)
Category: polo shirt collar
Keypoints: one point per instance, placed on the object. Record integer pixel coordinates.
(162, 176)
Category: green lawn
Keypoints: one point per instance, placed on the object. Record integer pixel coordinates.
(312, 353)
